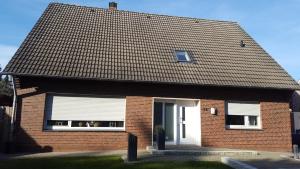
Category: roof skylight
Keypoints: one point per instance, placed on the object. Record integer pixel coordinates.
(182, 56)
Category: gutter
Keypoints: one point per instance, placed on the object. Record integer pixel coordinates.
(296, 87)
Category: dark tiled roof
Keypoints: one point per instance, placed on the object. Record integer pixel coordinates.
(92, 43)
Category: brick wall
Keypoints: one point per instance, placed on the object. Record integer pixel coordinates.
(139, 119)
(30, 135)
(275, 134)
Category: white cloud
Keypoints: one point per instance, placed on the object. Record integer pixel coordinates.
(6, 52)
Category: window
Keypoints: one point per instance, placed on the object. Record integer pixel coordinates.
(183, 120)
(243, 115)
(182, 56)
(84, 113)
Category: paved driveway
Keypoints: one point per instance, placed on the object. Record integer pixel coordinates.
(268, 160)
(274, 164)
(265, 160)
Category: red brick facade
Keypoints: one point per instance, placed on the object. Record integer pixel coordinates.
(31, 136)
(275, 134)
(139, 119)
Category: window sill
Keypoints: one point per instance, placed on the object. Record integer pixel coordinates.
(243, 128)
(85, 129)
(246, 129)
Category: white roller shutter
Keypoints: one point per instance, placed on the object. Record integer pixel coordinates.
(85, 108)
(235, 108)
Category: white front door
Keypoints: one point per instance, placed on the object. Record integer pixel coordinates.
(180, 119)
(189, 127)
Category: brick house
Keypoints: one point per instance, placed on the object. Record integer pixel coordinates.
(86, 77)
(296, 111)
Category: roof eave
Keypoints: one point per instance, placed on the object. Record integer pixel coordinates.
(144, 81)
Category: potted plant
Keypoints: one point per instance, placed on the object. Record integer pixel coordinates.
(97, 124)
(80, 124)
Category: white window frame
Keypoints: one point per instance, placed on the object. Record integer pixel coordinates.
(69, 128)
(247, 125)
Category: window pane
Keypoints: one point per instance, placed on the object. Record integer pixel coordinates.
(183, 130)
(158, 114)
(158, 117)
(253, 120)
(235, 120)
(183, 113)
(57, 123)
(169, 121)
(79, 124)
(97, 124)
(182, 56)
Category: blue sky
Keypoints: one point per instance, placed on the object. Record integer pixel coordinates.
(274, 24)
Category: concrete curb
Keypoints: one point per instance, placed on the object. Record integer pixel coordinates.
(291, 157)
(203, 153)
(235, 163)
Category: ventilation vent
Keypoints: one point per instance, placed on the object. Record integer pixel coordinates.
(242, 44)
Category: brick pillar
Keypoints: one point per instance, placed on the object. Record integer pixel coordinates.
(139, 119)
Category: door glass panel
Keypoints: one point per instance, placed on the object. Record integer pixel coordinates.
(158, 113)
(183, 121)
(158, 117)
(183, 114)
(183, 130)
(169, 121)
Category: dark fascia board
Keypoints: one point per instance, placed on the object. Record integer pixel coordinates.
(144, 81)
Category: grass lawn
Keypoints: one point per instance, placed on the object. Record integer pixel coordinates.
(107, 162)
